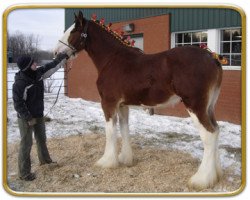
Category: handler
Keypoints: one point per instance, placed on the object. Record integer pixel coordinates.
(28, 97)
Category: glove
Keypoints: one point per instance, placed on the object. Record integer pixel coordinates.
(32, 122)
(61, 56)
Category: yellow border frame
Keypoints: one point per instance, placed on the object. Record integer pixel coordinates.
(243, 99)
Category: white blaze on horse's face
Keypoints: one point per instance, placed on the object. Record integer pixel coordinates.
(60, 47)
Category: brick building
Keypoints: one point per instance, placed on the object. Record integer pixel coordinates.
(159, 29)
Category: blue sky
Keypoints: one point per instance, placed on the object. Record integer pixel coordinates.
(47, 23)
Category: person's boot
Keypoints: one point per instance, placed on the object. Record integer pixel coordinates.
(29, 177)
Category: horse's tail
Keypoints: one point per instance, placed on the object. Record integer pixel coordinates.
(222, 60)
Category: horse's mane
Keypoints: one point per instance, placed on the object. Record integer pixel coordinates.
(123, 40)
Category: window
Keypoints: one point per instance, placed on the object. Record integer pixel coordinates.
(138, 38)
(230, 46)
(190, 38)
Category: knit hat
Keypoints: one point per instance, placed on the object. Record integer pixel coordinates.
(24, 62)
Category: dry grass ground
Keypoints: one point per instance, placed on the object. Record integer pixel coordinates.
(154, 170)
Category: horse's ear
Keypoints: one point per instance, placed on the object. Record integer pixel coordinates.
(81, 18)
(80, 15)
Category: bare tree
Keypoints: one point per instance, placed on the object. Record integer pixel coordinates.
(20, 44)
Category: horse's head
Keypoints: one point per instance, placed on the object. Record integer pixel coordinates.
(74, 38)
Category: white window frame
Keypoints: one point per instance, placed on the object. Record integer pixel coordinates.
(231, 67)
(173, 36)
(213, 42)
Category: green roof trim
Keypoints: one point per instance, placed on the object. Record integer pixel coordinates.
(182, 19)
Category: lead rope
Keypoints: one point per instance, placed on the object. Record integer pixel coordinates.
(57, 96)
(67, 71)
(58, 93)
(55, 100)
(72, 48)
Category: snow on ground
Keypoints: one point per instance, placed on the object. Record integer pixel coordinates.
(76, 116)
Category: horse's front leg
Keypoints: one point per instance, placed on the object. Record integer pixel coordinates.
(110, 156)
(126, 155)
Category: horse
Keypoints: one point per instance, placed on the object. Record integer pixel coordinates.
(127, 76)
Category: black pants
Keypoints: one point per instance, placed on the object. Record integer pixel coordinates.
(24, 163)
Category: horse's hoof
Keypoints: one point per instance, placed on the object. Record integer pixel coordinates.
(106, 162)
(200, 182)
(128, 161)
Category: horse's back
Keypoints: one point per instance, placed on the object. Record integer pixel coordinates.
(193, 64)
(188, 56)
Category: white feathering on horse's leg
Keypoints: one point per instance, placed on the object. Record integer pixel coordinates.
(207, 174)
(110, 157)
(126, 155)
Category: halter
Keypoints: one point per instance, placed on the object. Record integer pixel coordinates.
(84, 34)
(83, 37)
(72, 48)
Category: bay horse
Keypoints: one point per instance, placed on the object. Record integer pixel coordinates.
(127, 76)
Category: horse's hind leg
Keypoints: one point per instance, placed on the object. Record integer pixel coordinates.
(110, 156)
(214, 94)
(209, 171)
(126, 155)
(207, 174)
